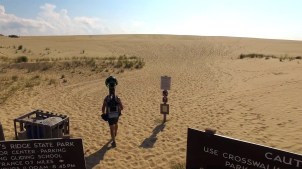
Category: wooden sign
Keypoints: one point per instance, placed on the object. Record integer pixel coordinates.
(165, 83)
(1, 133)
(42, 154)
(164, 108)
(209, 151)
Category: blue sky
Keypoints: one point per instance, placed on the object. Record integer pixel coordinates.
(273, 19)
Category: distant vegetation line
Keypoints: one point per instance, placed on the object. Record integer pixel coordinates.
(11, 36)
(281, 58)
(99, 64)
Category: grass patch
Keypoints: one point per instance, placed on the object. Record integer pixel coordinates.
(33, 81)
(178, 166)
(4, 59)
(9, 86)
(52, 82)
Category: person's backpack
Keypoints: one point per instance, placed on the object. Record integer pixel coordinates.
(113, 108)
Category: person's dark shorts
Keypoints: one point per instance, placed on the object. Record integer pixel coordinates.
(112, 121)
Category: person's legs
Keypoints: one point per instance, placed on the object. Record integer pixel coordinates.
(112, 132)
(113, 129)
(116, 127)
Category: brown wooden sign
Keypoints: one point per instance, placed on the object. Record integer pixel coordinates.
(209, 151)
(42, 154)
(164, 108)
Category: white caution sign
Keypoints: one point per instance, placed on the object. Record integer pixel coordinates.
(165, 83)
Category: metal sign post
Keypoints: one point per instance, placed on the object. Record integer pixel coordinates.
(2, 138)
(165, 86)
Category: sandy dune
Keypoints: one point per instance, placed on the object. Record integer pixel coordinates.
(256, 100)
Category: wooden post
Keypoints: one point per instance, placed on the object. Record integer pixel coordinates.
(15, 125)
(165, 100)
(210, 131)
(2, 138)
(165, 118)
(165, 86)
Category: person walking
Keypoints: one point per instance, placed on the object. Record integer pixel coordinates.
(112, 107)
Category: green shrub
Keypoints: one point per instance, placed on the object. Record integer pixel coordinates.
(253, 55)
(20, 47)
(90, 62)
(21, 59)
(52, 81)
(35, 77)
(4, 58)
(133, 57)
(46, 67)
(118, 64)
(122, 57)
(128, 64)
(140, 64)
(31, 83)
(110, 58)
(15, 78)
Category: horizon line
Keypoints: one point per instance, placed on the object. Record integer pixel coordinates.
(156, 34)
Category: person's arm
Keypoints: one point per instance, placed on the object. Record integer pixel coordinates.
(104, 106)
(121, 104)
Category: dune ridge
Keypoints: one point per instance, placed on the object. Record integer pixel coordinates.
(256, 100)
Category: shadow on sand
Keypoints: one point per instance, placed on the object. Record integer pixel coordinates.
(150, 141)
(94, 159)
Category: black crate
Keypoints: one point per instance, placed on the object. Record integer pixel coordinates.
(40, 125)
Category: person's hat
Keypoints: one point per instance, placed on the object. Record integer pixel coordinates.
(111, 82)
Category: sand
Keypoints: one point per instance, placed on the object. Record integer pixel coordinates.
(255, 100)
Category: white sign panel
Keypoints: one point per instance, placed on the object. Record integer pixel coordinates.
(165, 83)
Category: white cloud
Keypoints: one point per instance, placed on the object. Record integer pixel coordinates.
(135, 27)
(11, 24)
(53, 21)
(2, 10)
(50, 21)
